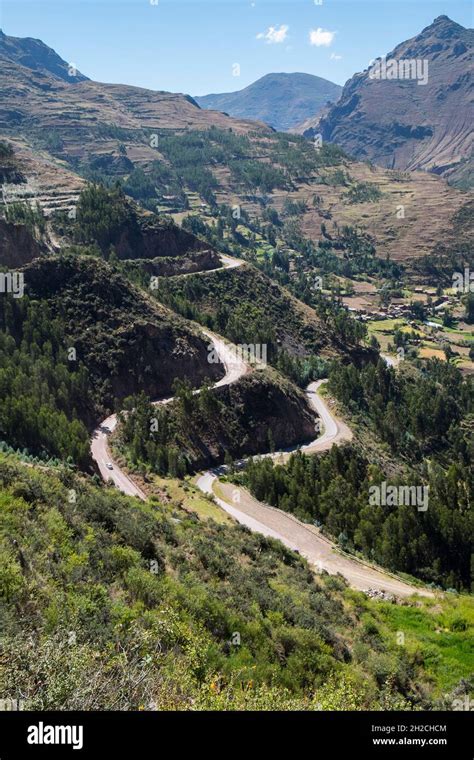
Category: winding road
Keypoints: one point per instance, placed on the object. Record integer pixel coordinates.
(320, 552)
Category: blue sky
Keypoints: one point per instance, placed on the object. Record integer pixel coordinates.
(191, 46)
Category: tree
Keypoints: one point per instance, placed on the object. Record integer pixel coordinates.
(469, 313)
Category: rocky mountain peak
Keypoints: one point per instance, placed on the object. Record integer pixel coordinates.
(35, 55)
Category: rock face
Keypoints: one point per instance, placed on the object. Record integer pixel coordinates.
(280, 100)
(17, 246)
(161, 238)
(186, 263)
(400, 124)
(128, 342)
(252, 411)
(35, 55)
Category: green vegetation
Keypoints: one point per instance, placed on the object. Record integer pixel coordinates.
(103, 217)
(108, 603)
(67, 348)
(186, 163)
(6, 150)
(333, 490)
(260, 412)
(247, 307)
(425, 417)
(363, 192)
(43, 395)
(417, 413)
(31, 217)
(258, 176)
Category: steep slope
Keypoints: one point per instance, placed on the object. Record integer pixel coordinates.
(259, 411)
(78, 341)
(173, 155)
(168, 590)
(35, 55)
(17, 245)
(244, 301)
(31, 98)
(280, 100)
(114, 327)
(72, 212)
(402, 124)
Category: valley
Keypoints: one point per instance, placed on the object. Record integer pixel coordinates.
(236, 385)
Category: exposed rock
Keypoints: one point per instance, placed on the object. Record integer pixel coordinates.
(128, 342)
(17, 245)
(254, 409)
(187, 263)
(401, 124)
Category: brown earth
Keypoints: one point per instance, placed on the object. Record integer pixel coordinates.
(404, 125)
(94, 121)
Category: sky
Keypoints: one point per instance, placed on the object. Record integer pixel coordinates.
(200, 47)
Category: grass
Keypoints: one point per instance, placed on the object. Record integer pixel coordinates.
(410, 329)
(386, 325)
(185, 494)
(302, 636)
(426, 352)
(440, 631)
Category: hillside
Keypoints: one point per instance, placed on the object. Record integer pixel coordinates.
(108, 603)
(114, 327)
(67, 349)
(401, 124)
(18, 245)
(260, 412)
(46, 207)
(247, 306)
(279, 100)
(35, 55)
(175, 157)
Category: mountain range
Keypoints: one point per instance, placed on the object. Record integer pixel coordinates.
(403, 124)
(156, 142)
(280, 100)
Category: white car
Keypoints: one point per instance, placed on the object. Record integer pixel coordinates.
(109, 465)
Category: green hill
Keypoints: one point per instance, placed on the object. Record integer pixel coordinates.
(109, 603)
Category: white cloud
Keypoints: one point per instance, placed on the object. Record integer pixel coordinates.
(321, 37)
(274, 34)
(335, 57)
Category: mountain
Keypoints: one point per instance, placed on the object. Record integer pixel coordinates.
(35, 55)
(280, 100)
(401, 124)
(176, 157)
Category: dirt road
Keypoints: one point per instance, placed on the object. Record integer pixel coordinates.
(306, 539)
(321, 553)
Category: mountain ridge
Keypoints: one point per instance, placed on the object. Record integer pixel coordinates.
(34, 54)
(401, 125)
(278, 99)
